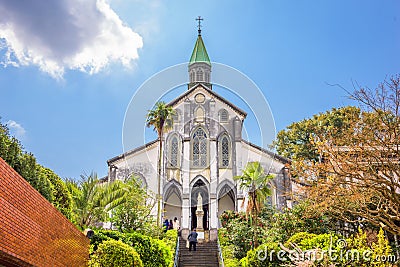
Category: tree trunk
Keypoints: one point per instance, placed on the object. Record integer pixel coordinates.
(255, 221)
(159, 182)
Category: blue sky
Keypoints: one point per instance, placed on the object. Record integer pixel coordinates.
(67, 77)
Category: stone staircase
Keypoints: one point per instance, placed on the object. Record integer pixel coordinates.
(206, 255)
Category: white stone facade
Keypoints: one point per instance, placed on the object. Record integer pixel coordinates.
(201, 154)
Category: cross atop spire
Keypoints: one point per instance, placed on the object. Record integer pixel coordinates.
(199, 19)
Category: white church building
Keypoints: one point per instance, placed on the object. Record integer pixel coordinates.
(202, 153)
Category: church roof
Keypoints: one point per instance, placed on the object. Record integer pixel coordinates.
(199, 53)
(268, 152)
(132, 151)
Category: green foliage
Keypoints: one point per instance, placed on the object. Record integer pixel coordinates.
(238, 232)
(257, 184)
(285, 223)
(170, 238)
(62, 198)
(134, 213)
(297, 141)
(381, 250)
(263, 256)
(228, 249)
(92, 200)
(97, 239)
(307, 249)
(379, 253)
(44, 180)
(42, 184)
(308, 241)
(153, 252)
(115, 253)
(160, 118)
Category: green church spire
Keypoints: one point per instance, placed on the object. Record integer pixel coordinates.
(199, 53)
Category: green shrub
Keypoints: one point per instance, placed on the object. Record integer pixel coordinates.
(115, 253)
(96, 240)
(103, 235)
(170, 239)
(308, 241)
(153, 252)
(228, 256)
(261, 256)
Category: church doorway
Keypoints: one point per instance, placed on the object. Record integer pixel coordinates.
(199, 188)
(172, 203)
(226, 199)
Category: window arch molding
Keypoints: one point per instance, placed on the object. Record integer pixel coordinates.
(199, 148)
(174, 150)
(224, 150)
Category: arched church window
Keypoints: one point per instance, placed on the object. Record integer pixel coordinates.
(207, 77)
(199, 148)
(223, 115)
(174, 152)
(199, 76)
(225, 152)
(199, 114)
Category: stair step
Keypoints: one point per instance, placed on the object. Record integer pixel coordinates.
(206, 255)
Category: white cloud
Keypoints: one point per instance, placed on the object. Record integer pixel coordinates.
(85, 35)
(16, 129)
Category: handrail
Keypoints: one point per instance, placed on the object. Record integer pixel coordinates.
(176, 261)
(220, 257)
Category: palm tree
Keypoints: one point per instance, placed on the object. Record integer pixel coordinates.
(92, 200)
(160, 118)
(256, 183)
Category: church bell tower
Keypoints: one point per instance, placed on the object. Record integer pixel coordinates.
(199, 64)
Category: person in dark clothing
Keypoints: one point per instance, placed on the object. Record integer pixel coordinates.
(166, 225)
(193, 239)
(170, 225)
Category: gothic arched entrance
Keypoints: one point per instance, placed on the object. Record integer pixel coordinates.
(199, 187)
(226, 198)
(172, 201)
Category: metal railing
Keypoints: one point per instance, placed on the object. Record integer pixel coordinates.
(220, 257)
(176, 261)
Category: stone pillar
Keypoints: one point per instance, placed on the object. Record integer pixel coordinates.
(214, 180)
(214, 218)
(200, 215)
(185, 188)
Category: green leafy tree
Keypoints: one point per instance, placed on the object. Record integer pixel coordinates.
(134, 213)
(257, 184)
(355, 177)
(92, 200)
(298, 140)
(24, 163)
(160, 118)
(62, 198)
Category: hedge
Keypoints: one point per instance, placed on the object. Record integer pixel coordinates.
(115, 253)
